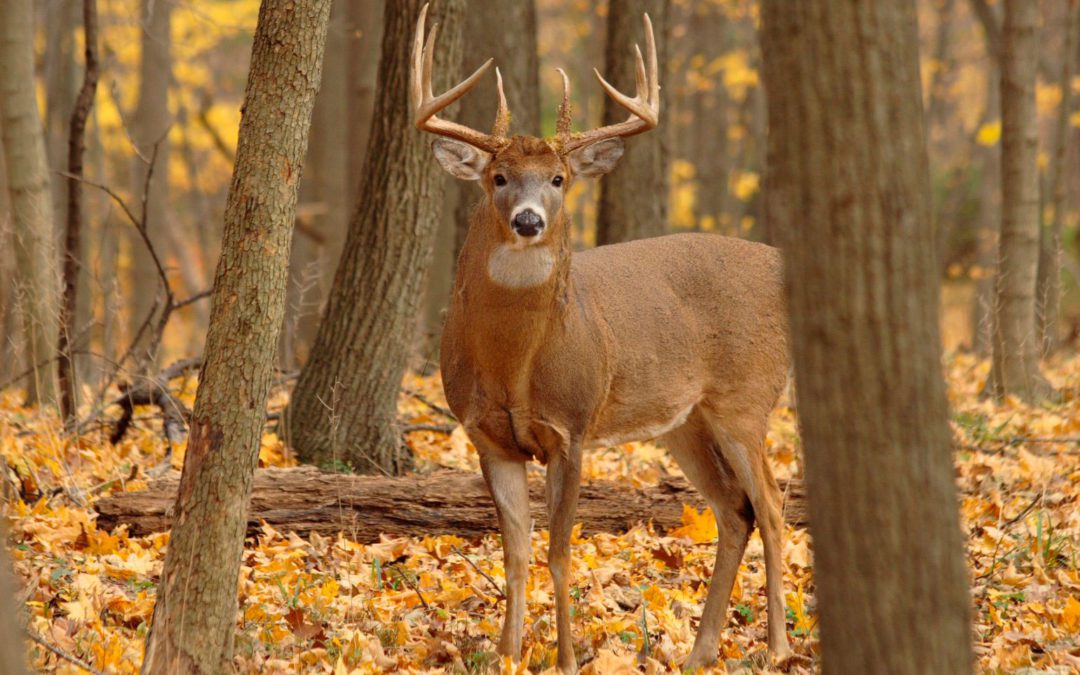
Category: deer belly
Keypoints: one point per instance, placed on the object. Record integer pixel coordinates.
(643, 428)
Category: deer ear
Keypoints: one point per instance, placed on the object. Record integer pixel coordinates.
(597, 159)
(460, 160)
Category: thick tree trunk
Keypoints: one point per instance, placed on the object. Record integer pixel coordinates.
(149, 126)
(343, 408)
(306, 500)
(1048, 285)
(12, 649)
(195, 616)
(634, 196)
(852, 193)
(324, 192)
(1015, 367)
(31, 200)
(61, 84)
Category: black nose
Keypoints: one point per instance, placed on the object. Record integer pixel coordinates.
(528, 223)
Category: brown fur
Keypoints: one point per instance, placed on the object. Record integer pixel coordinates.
(682, 336)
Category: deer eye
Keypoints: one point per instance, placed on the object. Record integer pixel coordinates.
(557, 181)
(500, 179)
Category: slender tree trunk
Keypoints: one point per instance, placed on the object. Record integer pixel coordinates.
(989, 217)
(31, 201)
(1048, 297)
(12, 649)
(149, 126)
(324, 191)
(61, 86)
(195, 617)
(852, 192)
(633, 197)
(344, 406)
(1015, 367)
(72, 249)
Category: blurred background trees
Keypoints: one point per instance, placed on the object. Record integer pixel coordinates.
(172, 75)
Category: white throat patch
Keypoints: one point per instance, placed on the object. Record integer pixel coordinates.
(514, 267)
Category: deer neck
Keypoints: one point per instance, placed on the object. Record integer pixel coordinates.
(511, 297)
(498, 273)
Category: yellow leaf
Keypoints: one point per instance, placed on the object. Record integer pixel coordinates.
(1070, 618)
(698, 527)
(989, 134)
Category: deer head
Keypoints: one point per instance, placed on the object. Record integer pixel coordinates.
(526, 178)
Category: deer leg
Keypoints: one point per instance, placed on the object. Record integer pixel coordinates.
(744, 450)
(563, 485)
(509, 487)
(697, 454)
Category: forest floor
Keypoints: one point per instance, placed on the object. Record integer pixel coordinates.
(432, 604)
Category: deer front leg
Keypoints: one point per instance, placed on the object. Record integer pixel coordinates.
(509, 487)
(563, 485)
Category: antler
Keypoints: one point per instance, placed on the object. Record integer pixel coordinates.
(426, 105)
(644, 108)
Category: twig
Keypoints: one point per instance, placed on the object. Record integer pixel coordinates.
(498, 591)
(193, 299)
(438, 428)
(411, 584)
(445, 412)
(61, 653)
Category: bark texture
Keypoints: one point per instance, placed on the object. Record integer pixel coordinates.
(195, 616)
(149, 126)
(634, 196)
(343, 408)
(30, 197)
(306, 500)
(852, 189)
(1015, 367)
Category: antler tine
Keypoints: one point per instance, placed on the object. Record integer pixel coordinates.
(644, 108)
(562, 125)
(426, 105)
(502, 115)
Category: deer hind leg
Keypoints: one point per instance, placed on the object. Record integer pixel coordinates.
(509, 487)
(742, 442)
(695, 450)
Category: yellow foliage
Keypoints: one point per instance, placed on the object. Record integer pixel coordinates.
(989, 134)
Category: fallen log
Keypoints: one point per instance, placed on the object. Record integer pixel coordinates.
(305, 500)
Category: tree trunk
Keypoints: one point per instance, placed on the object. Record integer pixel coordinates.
(12, 649)
(61, 85)
(195, 616)
(1015, 367)
(323, 194)
(149, 126)
(1048, 297)
(853, 197)
(365, 22)
(31, 199)
(633, 197)
(344, 406)
(305, 500)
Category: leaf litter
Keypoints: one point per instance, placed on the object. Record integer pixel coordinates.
(435, 603)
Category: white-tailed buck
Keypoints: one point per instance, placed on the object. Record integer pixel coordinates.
(546, 352)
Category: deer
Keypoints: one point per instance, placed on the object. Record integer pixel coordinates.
(546, 352)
